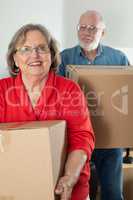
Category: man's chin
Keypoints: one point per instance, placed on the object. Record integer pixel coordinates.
(88, 47)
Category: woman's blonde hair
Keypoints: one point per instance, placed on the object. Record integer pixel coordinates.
(20, 37)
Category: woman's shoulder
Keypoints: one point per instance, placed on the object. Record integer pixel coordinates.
(6, 82)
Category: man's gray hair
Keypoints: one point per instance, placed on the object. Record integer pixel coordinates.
(97, 14)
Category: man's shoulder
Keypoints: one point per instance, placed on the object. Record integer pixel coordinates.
(114, 56)
(70, 50)
(113, 51)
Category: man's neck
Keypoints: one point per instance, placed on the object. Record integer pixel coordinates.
(91, 55)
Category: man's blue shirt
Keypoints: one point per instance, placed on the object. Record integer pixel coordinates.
(105, 56)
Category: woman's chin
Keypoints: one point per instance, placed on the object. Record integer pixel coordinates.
(36, 71)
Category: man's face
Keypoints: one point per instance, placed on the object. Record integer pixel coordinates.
(90, 31)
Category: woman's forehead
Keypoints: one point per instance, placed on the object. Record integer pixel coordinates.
(33, 37)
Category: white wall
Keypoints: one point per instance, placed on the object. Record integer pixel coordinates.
(15, 13)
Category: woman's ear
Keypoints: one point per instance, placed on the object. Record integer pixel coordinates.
(15, 60)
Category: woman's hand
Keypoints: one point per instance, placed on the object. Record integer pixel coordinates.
(73, 167)
(64, 187)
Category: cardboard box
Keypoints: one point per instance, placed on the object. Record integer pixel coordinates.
(109, 93)
(31, 159)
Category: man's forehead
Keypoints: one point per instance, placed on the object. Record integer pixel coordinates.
(90, 19)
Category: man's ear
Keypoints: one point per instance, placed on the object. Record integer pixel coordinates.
(103, 32)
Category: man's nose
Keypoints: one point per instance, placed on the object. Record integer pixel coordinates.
(88, 31)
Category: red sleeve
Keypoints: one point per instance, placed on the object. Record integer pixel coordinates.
(75, 112)
(2, 105)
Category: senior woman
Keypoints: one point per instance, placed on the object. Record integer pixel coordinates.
(35, 93)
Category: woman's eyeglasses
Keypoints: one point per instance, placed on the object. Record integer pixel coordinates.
(26, 50)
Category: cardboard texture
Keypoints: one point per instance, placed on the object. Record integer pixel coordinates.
(31, 159)
(109, 93)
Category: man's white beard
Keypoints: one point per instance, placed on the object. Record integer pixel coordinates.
(89, 47)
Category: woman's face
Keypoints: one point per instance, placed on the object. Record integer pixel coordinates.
(33, 56)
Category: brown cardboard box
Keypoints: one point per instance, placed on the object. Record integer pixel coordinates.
(109, 93)
(31, 159)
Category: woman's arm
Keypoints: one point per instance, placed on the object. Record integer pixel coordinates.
(80, 141)
(74, 164)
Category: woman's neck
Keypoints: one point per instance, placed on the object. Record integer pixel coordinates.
(34, 86)
(34, 82)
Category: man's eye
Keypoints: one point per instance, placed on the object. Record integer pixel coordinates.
(82, 27)
(93, 28)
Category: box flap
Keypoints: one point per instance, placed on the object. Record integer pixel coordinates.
(29, 124)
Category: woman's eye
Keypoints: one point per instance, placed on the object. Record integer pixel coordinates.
(26, 49)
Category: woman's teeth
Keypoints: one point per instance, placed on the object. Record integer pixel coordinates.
(35, 63)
